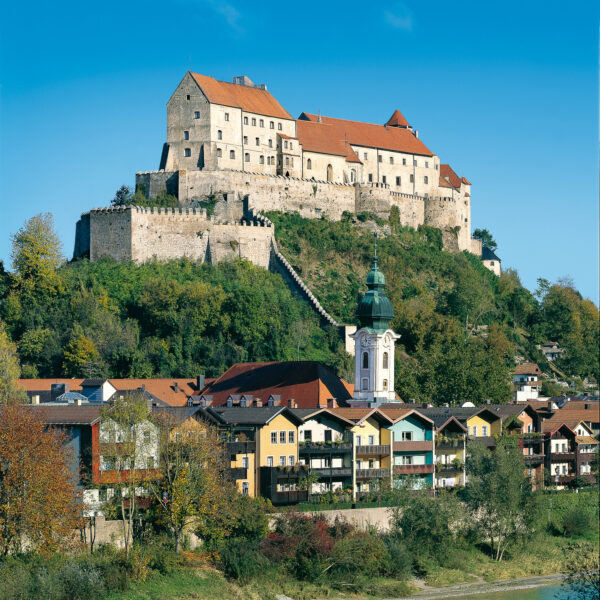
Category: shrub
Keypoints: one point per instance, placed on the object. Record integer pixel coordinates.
(374, 557)
(80, 581)
(400, 559)
(241, 559)
(576, 522)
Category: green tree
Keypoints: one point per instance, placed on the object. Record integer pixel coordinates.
(486, 238)
(36, 255)
(10, 369)
(582, 580)
(122, 196)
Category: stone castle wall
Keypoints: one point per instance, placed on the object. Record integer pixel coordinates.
(140, 234)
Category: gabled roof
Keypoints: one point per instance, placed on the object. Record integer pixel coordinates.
(487, 254)
(373, 136)
(324, 139)
(249, 99)
(309, 383)
(440, 422)
(399, 414)
(306, 414)
(460, 413)
(527, 369)
(67, 415)
(175, 414)
(448, 178)
(358, 415)
(585, 439)
(252, 415)
(397, 120)
(572, 421)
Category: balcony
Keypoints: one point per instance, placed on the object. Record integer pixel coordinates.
(562, 479)
(448, 469)
(239, 473)
(291, 497)
(533, 459)
(372, 473)
(241, 447)
(457, 444)
(562, 456)
(372, 450)
(422, 446)
(413, 469)
(312, 448)
(332, 472)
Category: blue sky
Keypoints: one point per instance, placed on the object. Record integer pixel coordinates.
(506, 92)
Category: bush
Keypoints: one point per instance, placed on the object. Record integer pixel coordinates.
(241, 559)
(400, 559)
(576, 523)
(374, 557)
(80, 581)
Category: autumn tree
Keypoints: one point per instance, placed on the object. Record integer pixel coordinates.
(10, 369)
(194, 483)
(40, 504)
(128, 447)
(36, 255)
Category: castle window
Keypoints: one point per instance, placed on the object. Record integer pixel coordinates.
(197, 114)
(187, 152)
(292, 161)
(414, 162)
(186, 135)
(352, 176)
(436, 167)
(287, 161)
(245, 120)
(247, 157)
(245, 139)
(270, 143)
(404, 161)
(262, 123)
(425, 179)
(219, 153)
(385, 360)
(285, 144)
(412, 178)
(385, 384)
(329, 173)
(384, 179)
(391, 160)
(365, 156)
(309, 164)
(257, 140)
(254, 122)
(261, 160)
(365, 384)
(227, 116)
(370, 177)
(271, 125)
(365, 361)
(219, 135)
(426, 164)
(187, 97)
(398, 181)
(232, 154)
(379, 158)
(291, 146)
(279, 126)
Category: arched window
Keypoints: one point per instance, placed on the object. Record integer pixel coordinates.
(329, 173)
(365, 360)
(219, 135)
(385, 384)
(232, 154)
(261, 159)
(247, 157)
(385, 360)
(309, 164)
(365, 384)
(219, 153)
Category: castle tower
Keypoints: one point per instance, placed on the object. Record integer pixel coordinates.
(374, 343)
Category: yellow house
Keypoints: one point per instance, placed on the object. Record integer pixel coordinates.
(484, 423)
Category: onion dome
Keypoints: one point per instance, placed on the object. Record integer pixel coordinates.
(375, 310)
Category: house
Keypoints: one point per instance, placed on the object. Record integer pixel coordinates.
(491, 261)
(413, 449)
(526, 382)
(551, 350)
(582, 410)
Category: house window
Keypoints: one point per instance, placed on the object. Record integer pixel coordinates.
(187, 152)
(491, 263)
(327, 434)
(371, 440)
(232, 154)
(425, 179)
(262, 123)
(285, 144)
(197, 114)
(254, 122)
(271, 125)
(412, 179)
(244, 462)
(404, 161)
(219, 135)
(247, 157)
(391, 160)
(309, 164)
(475, 430)
(398, 180)
(384, 179)
(365, 362)
(245, 488)
(279, 126)
(407, 460)
(291, 437)
(269, 461)
(186, 135)
(273, 437)
(270, 143)
(308, 435)
(358, 441)
(188, 97)
(370, 178)
(365, 384)
(245, 140)
(282, 461)
(257, 141)
(407, 436)
(282, 437)
(219, 153)
(379, 158)
(484, 430)
(245, 120)
(261, 159)
(371, 464)
(385, 384)
(227, 116)
(291, 460)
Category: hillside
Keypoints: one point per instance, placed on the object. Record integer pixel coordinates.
(441, 302)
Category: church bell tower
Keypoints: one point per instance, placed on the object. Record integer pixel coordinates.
(374, 343)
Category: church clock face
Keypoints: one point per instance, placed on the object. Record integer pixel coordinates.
(364, 341)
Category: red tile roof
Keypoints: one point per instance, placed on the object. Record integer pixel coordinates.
(43, 385)
(311, 384)
(359, 414)
(397, 120)
(373, 136)
(249, 99)
(448, 176)
(325, 139)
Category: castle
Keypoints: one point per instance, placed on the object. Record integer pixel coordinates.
(234, 142)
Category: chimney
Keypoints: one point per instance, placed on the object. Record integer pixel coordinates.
(143, 387)
(550, 404)
(258, 402)
(200, 382)
(35, 399)
(176, 387)
(292, 403)
(331, 403)
(416, 133)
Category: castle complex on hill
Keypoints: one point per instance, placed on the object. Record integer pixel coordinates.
(232, 146)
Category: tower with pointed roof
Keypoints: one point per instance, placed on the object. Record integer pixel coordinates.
(374, 343)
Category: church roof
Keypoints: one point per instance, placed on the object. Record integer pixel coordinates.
(248, 98)
(373, 136)
(309, 383)
(325, 139)
(487, 254)
(397, 120)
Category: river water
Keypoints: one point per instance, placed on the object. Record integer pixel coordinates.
(550, 592)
